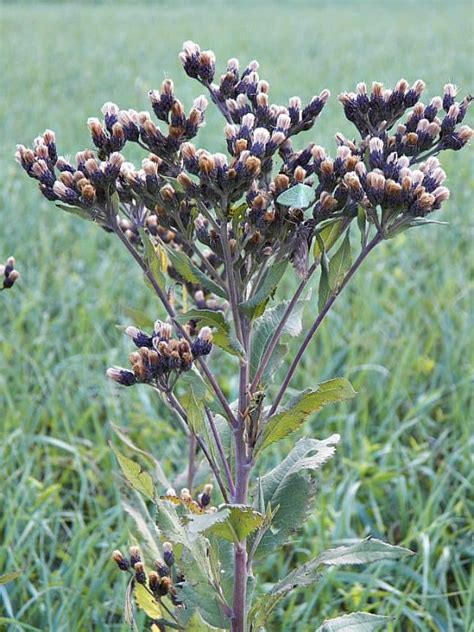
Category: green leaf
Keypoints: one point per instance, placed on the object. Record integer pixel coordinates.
(298, 196)
(256, 305)
(194, 397)
(155, 258)
(263, 330)
(231, 522)
(340, 264)
(189, 272)
(222, 336)
(324, 289)
(363, 552)
(159, 473)
(328, 236)
(149, 535)
(140, 480)
(9, 577)
(355, 622)
(146, 602)
(291, 504)
(201, 597)
(362, 225)
(290, 493)
(307, 454)
(300, 408)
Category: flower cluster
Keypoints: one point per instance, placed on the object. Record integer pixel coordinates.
(194, 201)
(160, 358)
(159, 581)
(8, 274)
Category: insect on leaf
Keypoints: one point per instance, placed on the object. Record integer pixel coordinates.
(299, 196)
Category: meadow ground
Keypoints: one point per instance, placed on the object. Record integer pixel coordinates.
(402, 334)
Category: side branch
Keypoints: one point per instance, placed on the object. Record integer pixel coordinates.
(319, 319)
(177, 408)
(172, 314)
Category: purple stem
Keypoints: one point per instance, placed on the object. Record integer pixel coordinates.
(220, 449)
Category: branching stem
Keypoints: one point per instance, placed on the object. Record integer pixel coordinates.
(169, 309)
(319, 319)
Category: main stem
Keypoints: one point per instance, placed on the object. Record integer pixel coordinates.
(239, 614)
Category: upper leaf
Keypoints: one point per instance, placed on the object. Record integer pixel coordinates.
(186, 268)
(355, 622)
(340, 263)
(328, 235)
(298, 410)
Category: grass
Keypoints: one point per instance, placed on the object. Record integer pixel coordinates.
(402, 334)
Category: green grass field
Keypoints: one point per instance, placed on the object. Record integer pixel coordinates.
(402, 334)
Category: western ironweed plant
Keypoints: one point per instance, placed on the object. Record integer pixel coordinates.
(214, 234)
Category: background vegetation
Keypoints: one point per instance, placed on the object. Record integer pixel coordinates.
(402, 334)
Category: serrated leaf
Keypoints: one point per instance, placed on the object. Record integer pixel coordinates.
(290, 493)
(363, 552)
(238, 522)
(307, 454)
(222, 335)
(340, 263)
(189, 272)
(355, 622)
(9, 577)
(194, 397)
(298, 196)
(263, 330)
(362, 225)
(290, 418)
(255, 306)
(145, 602)
(291, 501)
(140, 480)
(205, 521)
